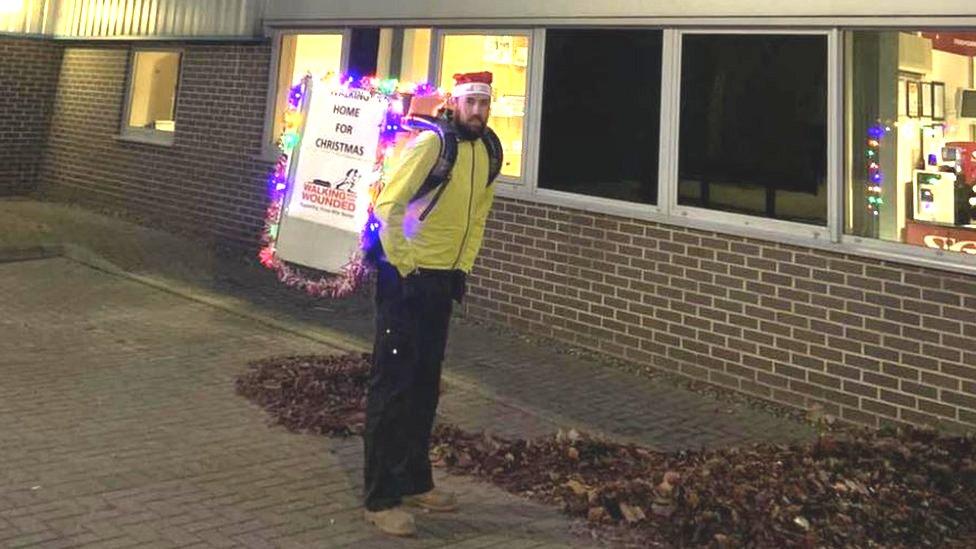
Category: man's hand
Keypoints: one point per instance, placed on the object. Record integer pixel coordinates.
(459, 285)
(412, 285)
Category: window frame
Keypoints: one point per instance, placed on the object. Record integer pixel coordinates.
(532, 81)
(150, 136)
(719, 218)
(269, 150)
(610, 206)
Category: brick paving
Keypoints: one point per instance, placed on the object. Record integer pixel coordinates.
(119, 425)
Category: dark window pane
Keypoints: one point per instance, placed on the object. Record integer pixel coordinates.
(601, 109)
(754, 125)
(363, 47)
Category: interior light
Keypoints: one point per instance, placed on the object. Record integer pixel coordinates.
(11, 6)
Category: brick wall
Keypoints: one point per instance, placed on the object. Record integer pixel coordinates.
(873, 342)
(28, 80)
(209, 183)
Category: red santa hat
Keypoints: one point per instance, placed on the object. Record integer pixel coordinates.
(472, 83)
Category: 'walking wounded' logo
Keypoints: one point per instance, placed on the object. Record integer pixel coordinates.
(341, 195)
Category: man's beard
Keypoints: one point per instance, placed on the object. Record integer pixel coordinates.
(468, 133)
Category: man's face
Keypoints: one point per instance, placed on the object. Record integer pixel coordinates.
(472, 111)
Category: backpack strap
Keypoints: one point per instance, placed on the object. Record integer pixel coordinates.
(496, 154)
(447, 136)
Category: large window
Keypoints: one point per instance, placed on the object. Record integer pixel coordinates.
(911, 160)
(301, 54)
(151, 106)
(601, 110)
(507, 57)
(753, 135)
(404, 54)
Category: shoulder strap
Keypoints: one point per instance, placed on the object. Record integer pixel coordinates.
(496, 154)
(448, 151)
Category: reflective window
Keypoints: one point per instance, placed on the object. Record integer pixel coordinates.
(753, 136)
(601, 112)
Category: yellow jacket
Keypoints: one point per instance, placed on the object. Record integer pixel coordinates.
(451, 234)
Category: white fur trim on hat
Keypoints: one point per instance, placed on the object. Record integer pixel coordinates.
(472, 88)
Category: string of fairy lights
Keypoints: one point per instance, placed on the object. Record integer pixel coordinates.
(353, 275)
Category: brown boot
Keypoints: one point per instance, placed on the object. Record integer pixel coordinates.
(435, 500)
(394, 521)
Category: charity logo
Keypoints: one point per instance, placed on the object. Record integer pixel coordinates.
(340, 195)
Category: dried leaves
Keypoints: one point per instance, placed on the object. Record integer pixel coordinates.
(865, 489)
(316, 394)
(898, 489)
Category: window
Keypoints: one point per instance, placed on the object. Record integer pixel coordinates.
(404, 54)
(151, 107)
(601, 112)
(507, 57)
(301, 54)
(911, 160)
(753, 125)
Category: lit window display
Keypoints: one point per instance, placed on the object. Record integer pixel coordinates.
(152, 97)
(318, 54)
(507, 58)
(404, 54)
(912, 138)
(415, 59)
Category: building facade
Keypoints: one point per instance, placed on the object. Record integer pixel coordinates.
(780, 200)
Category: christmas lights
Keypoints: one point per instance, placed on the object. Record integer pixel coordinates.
(875, 175)
(355, 272)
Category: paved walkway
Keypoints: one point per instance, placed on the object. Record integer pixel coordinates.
(119, 424)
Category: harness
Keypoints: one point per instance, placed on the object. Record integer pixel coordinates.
(441, 172)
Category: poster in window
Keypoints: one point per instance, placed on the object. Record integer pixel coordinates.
(926, 100)
(938, 100)
(914, 93)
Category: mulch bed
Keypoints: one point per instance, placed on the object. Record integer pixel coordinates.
(906, 488)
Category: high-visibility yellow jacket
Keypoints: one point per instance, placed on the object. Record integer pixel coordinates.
(450, 235)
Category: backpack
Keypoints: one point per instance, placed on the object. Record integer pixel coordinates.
(440, 174)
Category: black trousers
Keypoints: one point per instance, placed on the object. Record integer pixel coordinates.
(412, 318)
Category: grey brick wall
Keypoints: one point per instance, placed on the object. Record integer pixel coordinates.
(873, 342)
(28, 81)
(209, 183)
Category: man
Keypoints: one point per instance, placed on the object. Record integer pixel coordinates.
(430, 243)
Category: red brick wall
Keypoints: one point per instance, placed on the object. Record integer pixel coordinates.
(209, 183)
(874, 342)
(28, 80)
